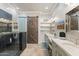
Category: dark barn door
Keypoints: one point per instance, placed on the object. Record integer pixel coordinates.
(32, 29)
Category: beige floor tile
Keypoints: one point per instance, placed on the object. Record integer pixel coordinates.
(34, 50)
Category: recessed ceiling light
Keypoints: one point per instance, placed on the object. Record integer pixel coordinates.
(46, 7)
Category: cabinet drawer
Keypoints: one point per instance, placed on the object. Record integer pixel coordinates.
(54, 49)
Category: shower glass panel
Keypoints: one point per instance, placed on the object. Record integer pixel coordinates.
(9, 44)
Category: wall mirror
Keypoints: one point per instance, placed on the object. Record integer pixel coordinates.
(72, 20)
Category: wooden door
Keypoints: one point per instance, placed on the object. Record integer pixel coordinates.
(32, 29)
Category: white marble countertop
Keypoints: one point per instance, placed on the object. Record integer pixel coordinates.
(69, 47)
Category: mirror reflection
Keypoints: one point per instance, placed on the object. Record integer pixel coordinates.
(72, 20)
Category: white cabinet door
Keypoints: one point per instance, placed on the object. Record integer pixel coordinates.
(54, 49)
(59, 52)
(64, 53)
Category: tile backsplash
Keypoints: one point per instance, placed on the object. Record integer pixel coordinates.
(73, 36)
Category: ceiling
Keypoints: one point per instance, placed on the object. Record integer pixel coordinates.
(35, 7)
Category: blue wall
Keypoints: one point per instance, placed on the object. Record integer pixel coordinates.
(22, 23)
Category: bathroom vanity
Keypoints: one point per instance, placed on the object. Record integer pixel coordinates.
(69, 46)
(59, 47)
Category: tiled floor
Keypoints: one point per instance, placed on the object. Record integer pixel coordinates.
(34, 50)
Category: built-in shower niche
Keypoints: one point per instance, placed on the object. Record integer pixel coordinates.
(72, 25)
